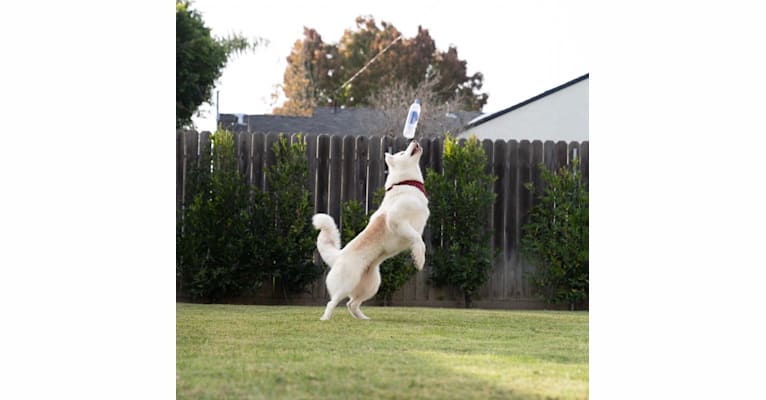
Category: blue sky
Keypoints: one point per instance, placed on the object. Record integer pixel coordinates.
(522, 48)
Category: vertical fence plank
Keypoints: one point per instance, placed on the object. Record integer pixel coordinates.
(425, 144)
(245, 155)
(311, 153)
(300, 139)
(524, 202)
(297, 138)
(537, 172)
(336, 163)
(400, 143)
(256, 161)
(549, 159)
(421, 277)
(418, 281)
(205, 148)
(347, 178)
(511, 217)
(573, 152)
(497, 278)
(537, 156)
(323, 167)
(191, 157)
(487, 146)
(425, 159)
(360, 171)
(387, 146)
(376, 162)
(437, 149)
(560, 154)
(180, 173)
(318, 291)
(270, 158)
(585, 165)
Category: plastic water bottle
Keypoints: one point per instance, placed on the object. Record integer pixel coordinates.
(412, 120)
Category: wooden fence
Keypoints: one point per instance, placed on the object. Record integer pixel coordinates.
(343, 168)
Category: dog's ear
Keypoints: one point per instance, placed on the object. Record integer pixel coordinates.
(389, 158)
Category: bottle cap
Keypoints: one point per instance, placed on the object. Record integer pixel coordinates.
(417, 101)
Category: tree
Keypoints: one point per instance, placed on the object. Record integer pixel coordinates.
(316, 71)
(200, 59)
(309, 60)
(461, 199)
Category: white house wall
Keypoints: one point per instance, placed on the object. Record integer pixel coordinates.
(562, 115)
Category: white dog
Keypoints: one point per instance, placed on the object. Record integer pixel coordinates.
(396, 226)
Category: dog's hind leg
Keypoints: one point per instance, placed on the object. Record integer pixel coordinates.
(367, 288)
(353, 307)
(330, 307)
(339, 285)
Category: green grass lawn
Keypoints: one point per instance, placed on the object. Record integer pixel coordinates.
(281, 352)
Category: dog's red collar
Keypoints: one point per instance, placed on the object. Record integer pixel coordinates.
(417, 184)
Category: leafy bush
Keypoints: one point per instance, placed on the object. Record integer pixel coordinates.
(395, 271)
(215, 256)
(460, 202)
(288, 237)
(556, 237)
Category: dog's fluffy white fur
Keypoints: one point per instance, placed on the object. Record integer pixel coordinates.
(396, 226)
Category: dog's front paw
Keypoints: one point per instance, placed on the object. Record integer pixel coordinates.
(419, 255)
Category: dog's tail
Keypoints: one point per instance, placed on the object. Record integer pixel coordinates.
(328, 241)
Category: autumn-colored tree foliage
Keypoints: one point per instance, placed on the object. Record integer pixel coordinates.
(316, 70)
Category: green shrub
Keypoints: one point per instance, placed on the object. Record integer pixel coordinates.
(214, 255)
(556, 237)
(288, 237)
(460, 202)
(353, 219)
(395, 271)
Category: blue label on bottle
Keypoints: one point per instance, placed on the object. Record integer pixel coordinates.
(413, 117)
